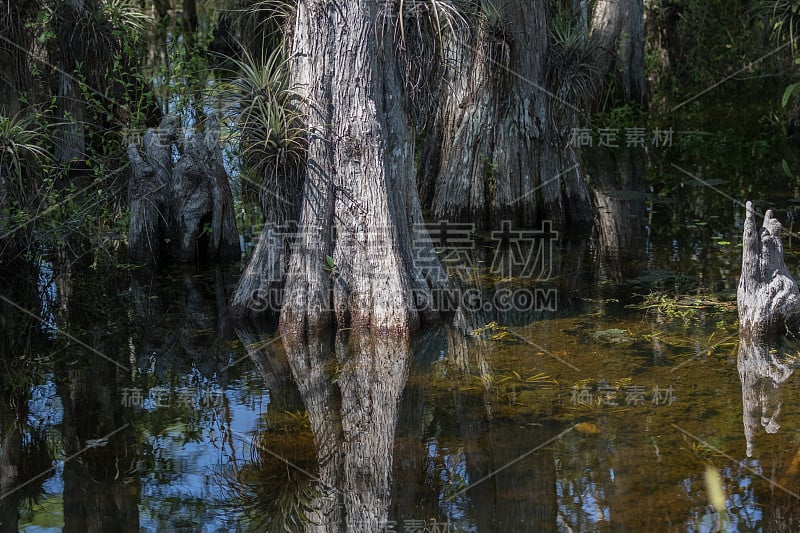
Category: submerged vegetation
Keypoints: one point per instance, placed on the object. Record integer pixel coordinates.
(272, 496)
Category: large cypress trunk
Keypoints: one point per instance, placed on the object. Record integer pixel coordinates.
(499, 151)
(70, 143)
(618, 187)
(15, 42)
(6, 241)
(10, 457)
(353, 260)
(617, 30)
(500, 145)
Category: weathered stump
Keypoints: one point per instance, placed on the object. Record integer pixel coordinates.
(180, 211)
(768, 297)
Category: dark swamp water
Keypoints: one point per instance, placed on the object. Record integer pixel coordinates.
(131, 402)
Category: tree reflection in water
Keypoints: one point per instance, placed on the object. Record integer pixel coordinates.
(24, 450)
(762, 369)
(368, 442)
(764, 366)
(350, 386)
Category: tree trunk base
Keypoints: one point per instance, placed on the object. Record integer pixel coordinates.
(768, 297)
(181, 211)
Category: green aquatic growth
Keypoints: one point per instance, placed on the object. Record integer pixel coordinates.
(614, 336)
(529, 390)
(703, 451)
(272, 496)
(717, 343)
(683, 306)
(599, 400)
(493, 331)
(516, 393)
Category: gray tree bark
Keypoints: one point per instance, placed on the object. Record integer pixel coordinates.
(10, 458)
(15, 43)
(261, 283)
(70, 142)
(495, 151)
(768, 297)
(359, 203)
(7, 248)
(617, 35)
(181, 211)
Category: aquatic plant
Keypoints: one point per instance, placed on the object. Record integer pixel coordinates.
(274, 489)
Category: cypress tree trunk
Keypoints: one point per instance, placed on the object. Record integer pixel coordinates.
(10, 458)
(70, 143)
(15, 42)
(618, 187)
(353, 258)
(618, 37)
(499, 151)
(500, 145)
(6, 242)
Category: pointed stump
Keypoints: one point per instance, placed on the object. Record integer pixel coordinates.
(768, 297)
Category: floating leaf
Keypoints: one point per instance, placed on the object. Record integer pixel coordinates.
(588, 428)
